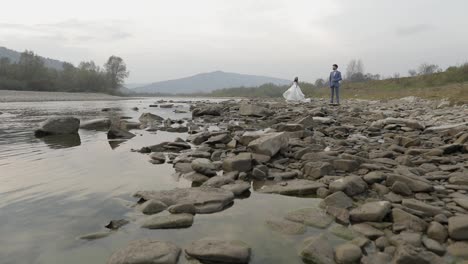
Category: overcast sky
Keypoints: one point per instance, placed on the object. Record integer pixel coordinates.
(167, 39)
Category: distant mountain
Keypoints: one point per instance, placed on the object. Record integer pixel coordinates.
(14, 56)
(207, 82)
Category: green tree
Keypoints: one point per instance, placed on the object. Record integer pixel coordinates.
(116, 72)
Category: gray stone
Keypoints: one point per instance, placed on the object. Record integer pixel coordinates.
(153, 207)
(316, 170)
(351, 185)
(204, 166)
(348, 254)
(370, 212)
(367, 230)
(437, 232)
(219, 251)
(96, 235)
(211, 110)
(117, 133)
(374, 177)
(241, 162)
(253, 110)
(195, 177)
(205, 199)
(345, 165)
(408, 254)
(399, 187)
(217, 181)
(341, 215)
(458, 227)
(338, 199)
(414, 183)
(311, 217)
(168, 221)
(286, 227)
(96, 124)
(423, 207)
(405, 221)
(406, 238)
(157, 158)
(433, 246)
(377, 258)
(297, 187)
(146, 252)
(182, 209)
(58, 126)
(238, 187)
(269, 144)
(318, 250)
(458, 249)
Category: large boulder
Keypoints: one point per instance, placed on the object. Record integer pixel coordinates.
(58, 126)
(205, 199)
(146, 251)
(370, 212)
(209, 250)
(458, 227)
(269, 144)
(242, 162)
(149, 118)
(351, 185)
(96, 124)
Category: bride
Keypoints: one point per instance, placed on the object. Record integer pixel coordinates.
(294, 93)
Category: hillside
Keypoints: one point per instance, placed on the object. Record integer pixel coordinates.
(15, 55)
(208, 82)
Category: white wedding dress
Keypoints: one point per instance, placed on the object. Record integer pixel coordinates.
(294, 93)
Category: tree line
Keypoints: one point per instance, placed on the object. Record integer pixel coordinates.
(30, 73)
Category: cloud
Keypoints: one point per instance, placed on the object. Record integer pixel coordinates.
(71, 32)
(414, 29)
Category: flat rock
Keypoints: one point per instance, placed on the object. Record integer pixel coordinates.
(338, 199)
(297, 187)
(269, 144)
(348, 254)
(286, 227)
(405, 221)
(146, 251)
(168, 221)
(422, 206)
(351, 185)
(367, 230)
(238, 187)
(370, 212)
(219, 251)
(153, 207)
(317, 249)
(242, 162)
(311, 217)
(413, 182)
(205, 199)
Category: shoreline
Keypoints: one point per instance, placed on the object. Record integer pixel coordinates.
(11, 96)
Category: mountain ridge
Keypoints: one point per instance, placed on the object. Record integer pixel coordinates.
(208, 82)
(14, 56)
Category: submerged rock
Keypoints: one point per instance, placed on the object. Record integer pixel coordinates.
(317, 249)
(286, 227)
(293, 187)
(210, 250)
(146, 251)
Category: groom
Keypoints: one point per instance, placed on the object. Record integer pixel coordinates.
(334, 80)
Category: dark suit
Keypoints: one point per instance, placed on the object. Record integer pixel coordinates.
(334, 80)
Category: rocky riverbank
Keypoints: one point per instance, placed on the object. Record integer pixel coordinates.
(393, 176)
(32, 96)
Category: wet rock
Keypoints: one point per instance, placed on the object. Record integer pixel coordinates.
(219, 251)
(348, 254)
(96, 124)
(338, 199)
(317, 249)
(433, 246)
(351, 185)
(437, 232)
(367, 230)
(204, 166)
(286, 227)
(269, 144)
(117, 133)
(311, 217)
(405, 221)
(372, 212)
(414, 183)
(297, 187)
(410, 254)
(153, 207)
(168, 221)
(205, 199)
(458, 227)
(316, 170)
(238, 187)
(94, 236)
(146, 251)
(241, 162)
(182, 209)
(116, 224)
(58, 126)
(158, 158)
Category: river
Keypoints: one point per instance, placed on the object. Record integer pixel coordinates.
(53, 191)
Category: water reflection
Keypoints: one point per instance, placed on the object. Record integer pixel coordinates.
(62, 141)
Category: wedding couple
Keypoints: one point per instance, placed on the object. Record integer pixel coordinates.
(295, 94)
